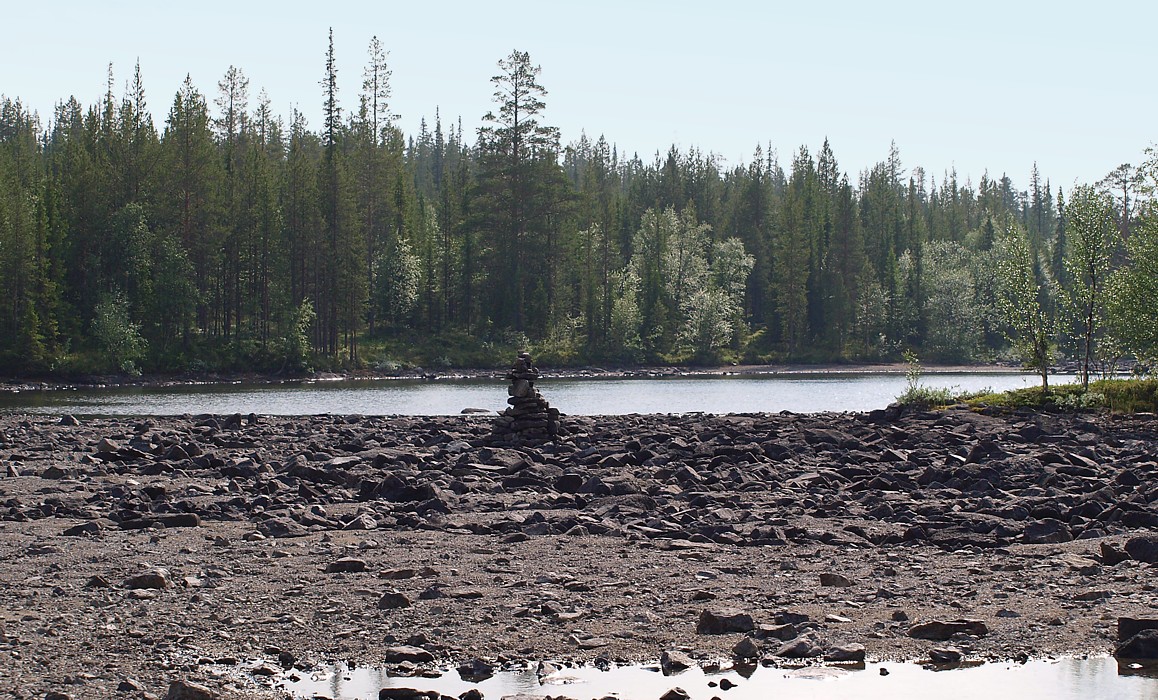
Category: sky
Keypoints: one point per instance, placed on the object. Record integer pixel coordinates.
(984, 86)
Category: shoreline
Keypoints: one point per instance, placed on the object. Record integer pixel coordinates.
(15, 385)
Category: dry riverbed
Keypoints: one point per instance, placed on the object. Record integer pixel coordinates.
(226, 551)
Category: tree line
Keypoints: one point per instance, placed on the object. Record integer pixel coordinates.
(229, 238)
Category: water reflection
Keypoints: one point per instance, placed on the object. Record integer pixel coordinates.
(799, 393)
(1063, 679)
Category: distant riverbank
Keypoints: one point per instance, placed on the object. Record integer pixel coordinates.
(161, 381)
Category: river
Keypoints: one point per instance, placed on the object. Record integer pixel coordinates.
(795, 392)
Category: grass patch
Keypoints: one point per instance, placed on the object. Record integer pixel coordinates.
(1114, 395)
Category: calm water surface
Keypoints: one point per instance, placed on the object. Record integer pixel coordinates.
(1098, 678)
(799, 393)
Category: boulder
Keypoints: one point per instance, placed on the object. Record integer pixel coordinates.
(724, 621)
(939, 631)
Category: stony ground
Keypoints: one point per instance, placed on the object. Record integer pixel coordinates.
(220, 550)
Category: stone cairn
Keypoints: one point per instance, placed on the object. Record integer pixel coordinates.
(529, 420)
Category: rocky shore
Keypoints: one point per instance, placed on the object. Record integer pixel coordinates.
(152, 557)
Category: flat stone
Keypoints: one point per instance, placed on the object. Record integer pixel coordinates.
(939, 631)
(836, 580)
(346, 565)
(413, 654)
(153, 578)
(724, 621)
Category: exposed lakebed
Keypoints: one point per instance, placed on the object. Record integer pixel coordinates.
(140, 552)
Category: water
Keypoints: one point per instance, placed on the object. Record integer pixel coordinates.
(799, 393)
(1097, 678)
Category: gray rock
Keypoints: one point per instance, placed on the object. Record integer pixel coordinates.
(799, 648)
(781, 632)
(724, 621)
(151, 579)
(674, 661)
(186, 690)
(413, 654)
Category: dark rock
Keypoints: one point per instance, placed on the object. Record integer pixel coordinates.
(846, 653)
(1143, 548)
(1046, 531)
(945, 655)
(724, 621)
(475, 671)
(91, 527)
(746, 648)
(830, 579)
(1142, 646)
(69, 420)
(393, 600)
(675, 694)
(1130, 626)
(939, 631)
(346, 565)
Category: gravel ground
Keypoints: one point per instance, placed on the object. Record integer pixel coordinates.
(221, 550)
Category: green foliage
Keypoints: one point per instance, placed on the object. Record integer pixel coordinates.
(1024, 302)
(118, 335)
(219, 230)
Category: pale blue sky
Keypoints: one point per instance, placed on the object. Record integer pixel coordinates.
(983, 85)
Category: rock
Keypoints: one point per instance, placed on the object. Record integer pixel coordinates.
(91, 527)
(746, 648)
(846, 653)
(151, 579)
(830, 579)
(413, 654)
(675, 694)
(362, 521)
(781, 632)
(69, 420)
(724, 621)
(1130, 626)
(1112, 554)
(799, 648)
(1046, 531)
(1143, 646)
(1143, 548)
(674, 661)
(393, 600)
(186, 690)
(346, 565)
(475, 671)
(939, 631)
(945, 655)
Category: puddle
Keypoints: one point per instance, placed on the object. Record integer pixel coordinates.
(1098, 678)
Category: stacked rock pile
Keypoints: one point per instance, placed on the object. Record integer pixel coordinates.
(529, 420)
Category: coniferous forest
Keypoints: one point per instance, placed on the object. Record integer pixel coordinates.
(219, 236)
